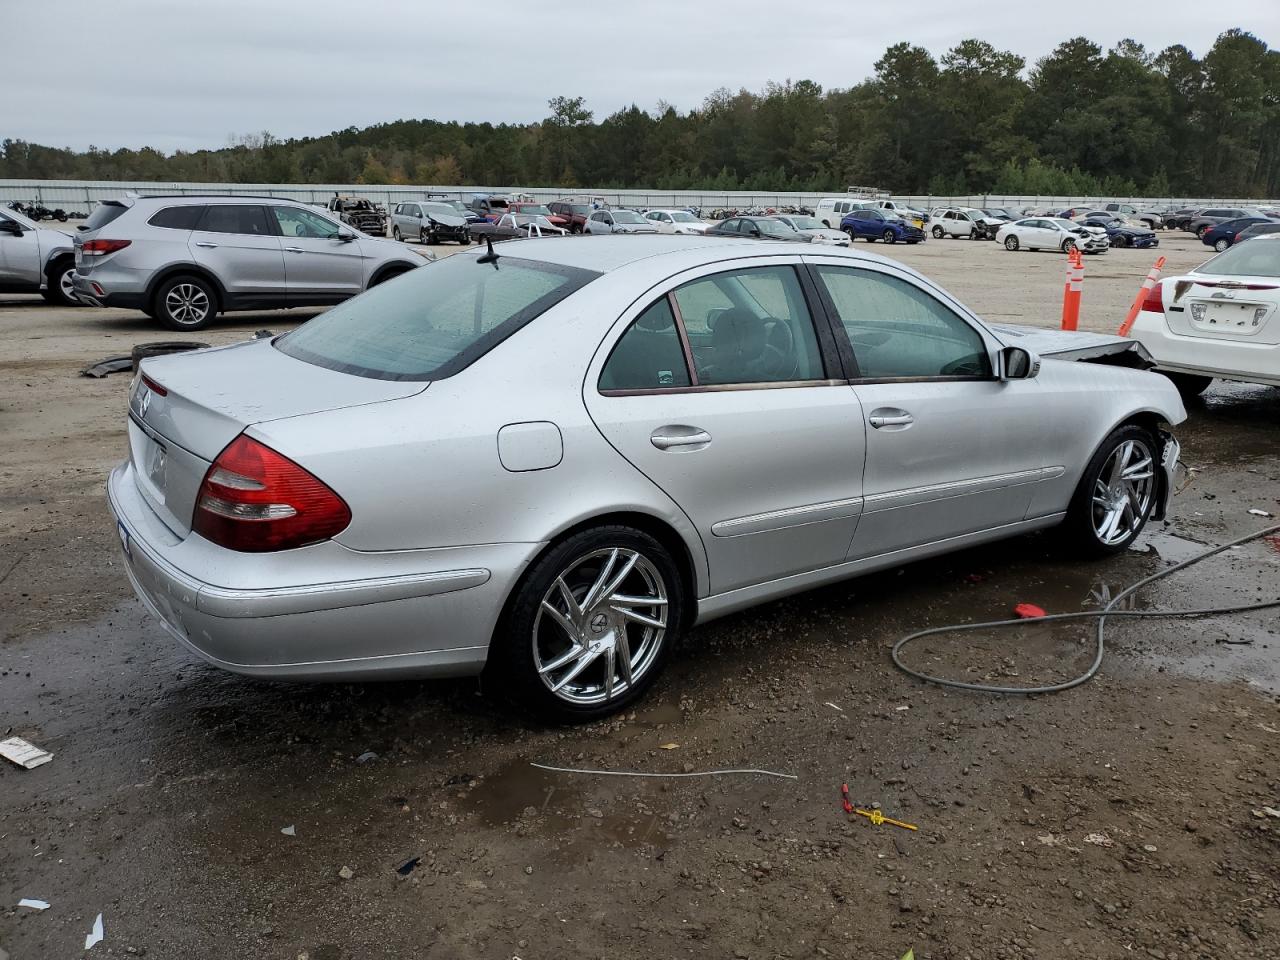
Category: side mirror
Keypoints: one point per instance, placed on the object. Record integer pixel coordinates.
(11, 226)
(755, 231)
(345, 236)
(1018, 364)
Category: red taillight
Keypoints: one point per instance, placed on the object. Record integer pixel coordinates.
(100, 248)
(1155, 299)
(255, 500)
(157, 389)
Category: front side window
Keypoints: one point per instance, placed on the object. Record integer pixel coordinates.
(433, 321)
(296, 222)
(899, 331)
(235, 218)
(750, 326)
(649, 356)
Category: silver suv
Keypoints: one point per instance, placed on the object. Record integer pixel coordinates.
(184, 259)
(35, 260)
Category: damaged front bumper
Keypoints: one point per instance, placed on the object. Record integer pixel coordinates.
(1167, 474)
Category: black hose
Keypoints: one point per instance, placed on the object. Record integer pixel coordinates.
(1100, 615)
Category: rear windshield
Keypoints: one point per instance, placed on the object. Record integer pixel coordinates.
(103, 214)
(1254, 258)
(435, 320)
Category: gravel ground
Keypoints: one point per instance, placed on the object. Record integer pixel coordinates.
(1124, 818)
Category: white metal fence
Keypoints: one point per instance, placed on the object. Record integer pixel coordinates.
(76, 195)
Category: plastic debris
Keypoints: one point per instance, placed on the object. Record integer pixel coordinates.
(34, 904)
(828, 703)
(289, 831)
(844, 798)
(24, 754)
(94, 936)
(1099, 840)
(909, 955)
(1259, 513)
(407, 867)
(1271, 812)
(669, 746)
(1029, 611)
(877, 818)
(367, 756)
(346, 873)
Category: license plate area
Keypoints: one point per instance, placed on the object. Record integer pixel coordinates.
(1226, 318)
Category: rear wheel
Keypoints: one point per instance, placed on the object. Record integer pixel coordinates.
(395, 234)
(61, 289)
(1011, 243)
(590, 625)
(1221, 244)
(1190, 385)
(1201, 231)
(185, 303)
(937, 233)
(1116, 494)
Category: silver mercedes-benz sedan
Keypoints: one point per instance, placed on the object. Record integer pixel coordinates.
(550, 460)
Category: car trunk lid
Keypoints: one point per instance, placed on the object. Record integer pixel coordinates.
(184, 409)
(1224, 308)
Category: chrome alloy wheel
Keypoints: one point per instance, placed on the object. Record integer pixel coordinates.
(600, 626)
(187, 304)
(67, 286)
(1122, 492)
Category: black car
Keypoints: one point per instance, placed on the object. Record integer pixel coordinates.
(1122, 234)
(763, 228)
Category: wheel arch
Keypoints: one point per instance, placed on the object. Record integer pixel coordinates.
(391, 269)
(177, 269)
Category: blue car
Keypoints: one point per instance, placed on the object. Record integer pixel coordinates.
(1223, 234)
(873, 225)
(1122, 234)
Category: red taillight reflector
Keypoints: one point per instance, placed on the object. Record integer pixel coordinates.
(157, 389)
(256, 500)
(100, 248)
(1155, 299)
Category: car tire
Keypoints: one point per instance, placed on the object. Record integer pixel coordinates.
(1190, 385)
(1100, 494)
(185, 302)
(937, 233)
(1011, 243)
(395, 234)
(1068, 245)
(59, 291)
(539, 628)
(1221, 244)
(465, 240)
(1121, 241)
(889, 237)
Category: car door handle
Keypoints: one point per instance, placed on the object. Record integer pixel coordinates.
(205, 243)
(665, 438)
(890, 417)
(294, 250)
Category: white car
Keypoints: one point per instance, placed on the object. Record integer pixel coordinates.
(968, 222)
(811, 226)
(619, 221)
(1052, 233)
(676, 221)
(1220, 320)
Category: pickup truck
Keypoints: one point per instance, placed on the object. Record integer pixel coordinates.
(36, 260)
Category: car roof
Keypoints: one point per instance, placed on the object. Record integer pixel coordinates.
(609, 252)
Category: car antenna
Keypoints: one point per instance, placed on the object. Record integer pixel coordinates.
(489, 257)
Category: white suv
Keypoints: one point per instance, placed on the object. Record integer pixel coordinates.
(968, 222)
(183, 260)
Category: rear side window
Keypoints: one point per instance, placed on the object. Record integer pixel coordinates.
(649, 355)
(103, 214)
(434, 321)
(899, 331)
(235, 218)
(178, 218)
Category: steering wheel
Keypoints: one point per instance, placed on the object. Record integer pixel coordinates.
(778, 359)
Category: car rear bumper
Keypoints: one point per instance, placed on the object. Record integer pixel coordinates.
(100, 293)
(1242, 360)
(430, 616)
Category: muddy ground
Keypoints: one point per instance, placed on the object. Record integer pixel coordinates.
(1124, 818)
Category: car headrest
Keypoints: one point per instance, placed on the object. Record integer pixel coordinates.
(738, 333)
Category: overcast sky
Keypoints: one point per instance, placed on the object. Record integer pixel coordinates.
(184, 74)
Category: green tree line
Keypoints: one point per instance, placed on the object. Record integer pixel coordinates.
(1079, 121)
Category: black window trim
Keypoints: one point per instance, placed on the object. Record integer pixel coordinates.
(273, 228)
(845, 345)
(832, 362)
(198, 207)
(578, 277)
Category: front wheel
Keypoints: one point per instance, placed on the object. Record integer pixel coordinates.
(185, 303)
(590, 625)
(1011, 243)
(1116, 493)
(889, 236)
(1068, 245)
(937, 233)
